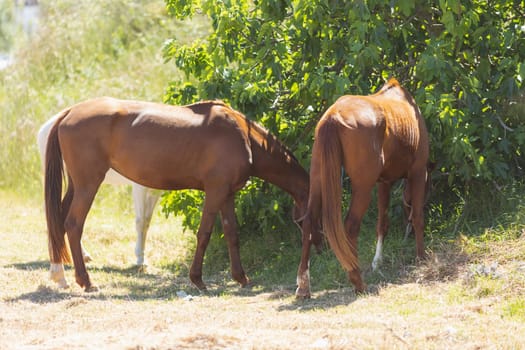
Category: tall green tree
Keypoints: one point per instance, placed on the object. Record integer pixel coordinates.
(283, 62)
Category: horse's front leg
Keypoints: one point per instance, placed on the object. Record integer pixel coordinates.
(229, 225)
(416, 182)
(361, 196)
(212, 204)
(144, 200)
(303, 271)
(85, 254)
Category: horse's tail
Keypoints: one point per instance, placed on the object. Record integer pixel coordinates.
(331, 156)
(54, 173)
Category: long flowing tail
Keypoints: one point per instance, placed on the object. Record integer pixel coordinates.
(331, 156)
(54, 173)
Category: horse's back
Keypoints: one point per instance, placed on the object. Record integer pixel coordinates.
(156, 145)
(383, 133)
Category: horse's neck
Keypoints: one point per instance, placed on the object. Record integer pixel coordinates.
(273, 164)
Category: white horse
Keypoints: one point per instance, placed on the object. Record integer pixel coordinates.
(144, 200)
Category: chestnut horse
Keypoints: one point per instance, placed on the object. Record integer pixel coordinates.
(144, 200)
(377, 139)
(206, 146)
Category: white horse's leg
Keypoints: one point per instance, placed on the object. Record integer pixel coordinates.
(86, 255)
(144, 200)
(378, 257)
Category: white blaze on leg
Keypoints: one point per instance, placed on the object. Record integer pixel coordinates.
(303, 283)
(378, 258)
(56, 274)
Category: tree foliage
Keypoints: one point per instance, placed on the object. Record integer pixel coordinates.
(283, 62)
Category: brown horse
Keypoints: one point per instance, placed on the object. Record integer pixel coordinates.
(377, 139)
(206, 146)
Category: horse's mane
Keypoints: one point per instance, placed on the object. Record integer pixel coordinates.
(206, 103)
(267, 140)
(254, 131)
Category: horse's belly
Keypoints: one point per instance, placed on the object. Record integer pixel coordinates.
(114, 178)
(395, 169)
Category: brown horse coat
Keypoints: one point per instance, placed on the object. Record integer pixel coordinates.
(377, 139)
(206, 146)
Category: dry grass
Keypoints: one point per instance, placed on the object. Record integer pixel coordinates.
(458, 299)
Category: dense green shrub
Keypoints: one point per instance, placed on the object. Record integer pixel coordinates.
(283, 62)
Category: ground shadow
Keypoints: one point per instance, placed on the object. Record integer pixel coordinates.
(165, 286)
(29, 266)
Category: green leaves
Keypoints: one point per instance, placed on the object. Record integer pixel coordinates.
(283, 62)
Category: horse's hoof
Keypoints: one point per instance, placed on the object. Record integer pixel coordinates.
(248, 284)
(142, 268)
(302, 294)
(420, 259)
(62, 284)
(199, 284)
(91, 289)
(244, 281)
(362, 290)
(87, 258)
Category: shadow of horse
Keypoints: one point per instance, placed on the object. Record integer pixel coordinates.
(164, 285)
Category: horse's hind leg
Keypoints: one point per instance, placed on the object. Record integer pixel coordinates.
(74, 224)
(310, 235)
(303, 271)
(229, 225)
(361, 197)
(56, 271)
(383, 198)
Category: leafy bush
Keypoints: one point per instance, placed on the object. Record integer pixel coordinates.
(284, 62)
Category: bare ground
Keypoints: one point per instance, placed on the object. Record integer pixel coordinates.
(442, 305)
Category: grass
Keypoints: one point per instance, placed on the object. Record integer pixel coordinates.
(469, 294)
(471, 308)
(83, 49)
